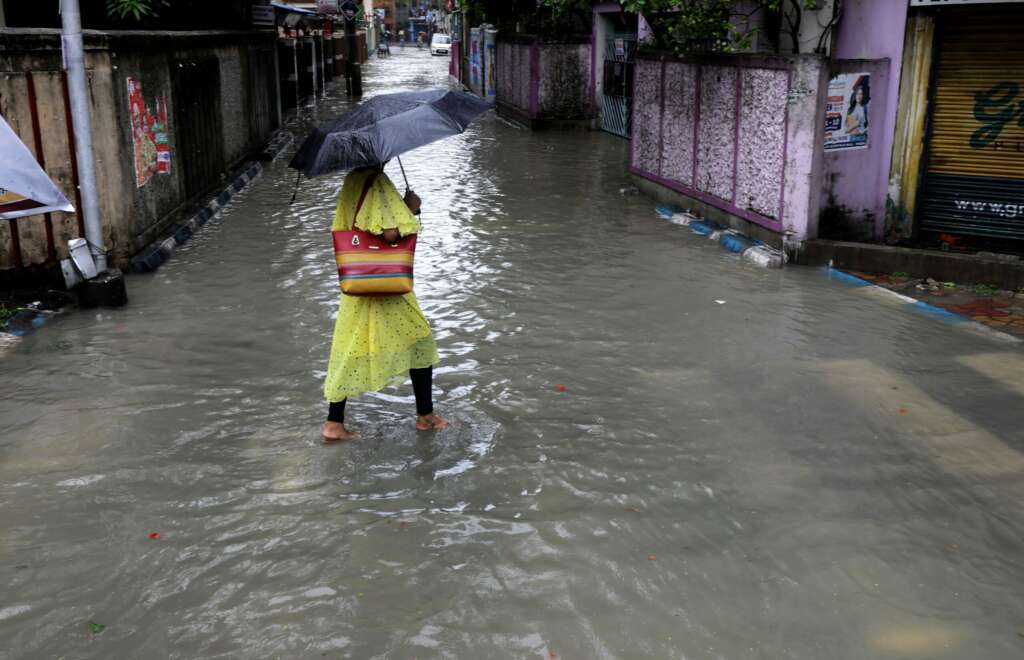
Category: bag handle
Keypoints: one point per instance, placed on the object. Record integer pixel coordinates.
(362, 198)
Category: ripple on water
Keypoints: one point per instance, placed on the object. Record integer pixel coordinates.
(692, 489)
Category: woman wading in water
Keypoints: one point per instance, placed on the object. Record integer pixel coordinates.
(377, 339)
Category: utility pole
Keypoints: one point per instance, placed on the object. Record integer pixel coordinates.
(353, 69)
(81, 119)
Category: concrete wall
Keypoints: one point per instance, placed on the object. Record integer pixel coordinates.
(858, 180)
(516, 77)
(135, 209)
(544, 82)
(601, 30)
(565, 81)
(740, 134)
(855, 181)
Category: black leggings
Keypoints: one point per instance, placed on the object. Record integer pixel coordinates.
(422, 384)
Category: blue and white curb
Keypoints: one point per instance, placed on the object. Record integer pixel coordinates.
(918, 306)
(157, 253)
(749, 249)
(152, 257)
(22, 322)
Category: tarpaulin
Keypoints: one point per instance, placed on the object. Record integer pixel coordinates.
(25, 189)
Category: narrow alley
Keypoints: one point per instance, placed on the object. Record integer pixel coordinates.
(657, 451)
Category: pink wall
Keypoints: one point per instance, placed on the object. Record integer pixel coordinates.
(515, 77)
(739, 135)
(870, 30)
(545, 81)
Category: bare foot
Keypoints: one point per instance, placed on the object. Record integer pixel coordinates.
(430, 422)
(336, 432)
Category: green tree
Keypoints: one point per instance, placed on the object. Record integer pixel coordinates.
(129, 8)
(712, 25)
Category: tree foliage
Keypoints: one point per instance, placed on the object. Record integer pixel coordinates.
(548, 18)
(129, 9)
(709, 25)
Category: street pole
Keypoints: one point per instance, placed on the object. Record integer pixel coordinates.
(353, 69)
(81, 120)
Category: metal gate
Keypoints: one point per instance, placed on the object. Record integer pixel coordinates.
(200, 134)
(974, 178)
(617, 84)
(263, 105)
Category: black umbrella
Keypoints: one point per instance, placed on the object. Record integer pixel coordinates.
(384, 127)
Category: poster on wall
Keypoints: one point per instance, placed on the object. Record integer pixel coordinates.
(848, 112)
(150, 143)
(476, 82)
(490, 66)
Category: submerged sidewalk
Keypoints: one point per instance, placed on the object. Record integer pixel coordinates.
(999, 310)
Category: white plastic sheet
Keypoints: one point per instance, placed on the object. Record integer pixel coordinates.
(25, 189)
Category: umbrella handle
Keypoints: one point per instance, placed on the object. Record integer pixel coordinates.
(296, 190)
(402, 167)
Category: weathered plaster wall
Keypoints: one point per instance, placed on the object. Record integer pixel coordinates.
(736, 133)
(647, 96)
(805, 132)
(565, 81)
(544, 80)
(132, 214)
(856, 180)
(513, 75)
(762, 144)
(716, 134)
(44, 63)
(871, 30)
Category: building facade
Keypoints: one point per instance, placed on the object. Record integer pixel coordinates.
(958, 163)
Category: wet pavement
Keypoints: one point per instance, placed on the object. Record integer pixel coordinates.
(657, 451)
(1002, 311)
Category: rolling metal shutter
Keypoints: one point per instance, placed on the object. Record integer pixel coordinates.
(974, 180)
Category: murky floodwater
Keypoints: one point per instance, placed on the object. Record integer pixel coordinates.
(800, 472)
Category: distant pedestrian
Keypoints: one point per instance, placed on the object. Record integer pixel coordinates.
(377, 339)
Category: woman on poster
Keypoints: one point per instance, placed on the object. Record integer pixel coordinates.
(857, 114)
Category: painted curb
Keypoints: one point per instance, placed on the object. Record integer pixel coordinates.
(749, 249)
(24, 322)
(920, 306)
(158, 252)
(276, 146)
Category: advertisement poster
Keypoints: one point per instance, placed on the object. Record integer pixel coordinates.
(150, 141)
(848, 112)
(490, 66)
(476, 64)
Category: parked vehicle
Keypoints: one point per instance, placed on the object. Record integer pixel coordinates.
(440, 44)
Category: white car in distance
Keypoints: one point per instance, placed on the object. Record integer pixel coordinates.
(440, 44)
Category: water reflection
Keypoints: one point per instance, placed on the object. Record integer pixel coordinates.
(633, 470)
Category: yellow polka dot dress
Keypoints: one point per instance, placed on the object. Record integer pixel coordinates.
(376, 339)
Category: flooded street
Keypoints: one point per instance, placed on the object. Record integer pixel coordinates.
(635, 469)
